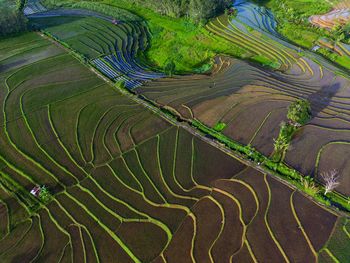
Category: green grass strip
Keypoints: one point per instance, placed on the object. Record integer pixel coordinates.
(331, 255)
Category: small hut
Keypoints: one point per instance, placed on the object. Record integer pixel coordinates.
(36, 191)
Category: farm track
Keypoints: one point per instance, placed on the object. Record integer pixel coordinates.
(113, 169)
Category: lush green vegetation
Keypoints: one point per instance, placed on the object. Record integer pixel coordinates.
(220, 126)
(343, 61)
(191, 47)
(45, 195)
(283, 140)
(292, 17)
(197, 10)
(12, 20)
(123, 182)
(299, 112)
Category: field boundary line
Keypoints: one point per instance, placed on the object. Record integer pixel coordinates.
(38, 144)
(301, 226)
(331, 255)
(42, 238)
(82, 243)
(129, 206)
(267, 223)
(194, 220)
(260, 127)
(250, 251)
(53, 128)
(8, 249)
(255, 196)
(239, 206)
(63, 252)
(26, 156)
(110, 232)
(210, 197)
(4, 204)
(148, 177)
(163, 178)
(345, 229)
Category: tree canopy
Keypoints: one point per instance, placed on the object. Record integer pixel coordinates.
(197, 10)
(12, 20)
(299, 112)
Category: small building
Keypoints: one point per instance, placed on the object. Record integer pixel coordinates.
(115, 22)
(315, 48)
(36, 191)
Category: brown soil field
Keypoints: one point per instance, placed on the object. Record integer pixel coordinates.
(127, 186)
(253, 101)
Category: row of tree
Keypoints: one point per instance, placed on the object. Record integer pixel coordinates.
(197, 10)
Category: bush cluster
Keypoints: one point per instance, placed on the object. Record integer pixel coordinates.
(11, 22)
(196, 10)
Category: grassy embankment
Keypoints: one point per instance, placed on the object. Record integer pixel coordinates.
(191, 47)
(292, 17)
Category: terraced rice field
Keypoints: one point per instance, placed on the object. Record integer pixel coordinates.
(256, 16)
(33, 7)
(253, 101)
(340, 15)
(128, 186)
(112, 48)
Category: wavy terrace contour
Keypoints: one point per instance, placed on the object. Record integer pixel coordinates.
(127, 186)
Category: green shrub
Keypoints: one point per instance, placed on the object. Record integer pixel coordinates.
(220, 126)
(170, 67)
(45, 195)
(12, 22)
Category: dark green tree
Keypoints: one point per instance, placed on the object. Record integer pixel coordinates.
(197, 10)
(299, 112)
(170, 67)
(20, 4)
(45, 195)
(11, 22)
